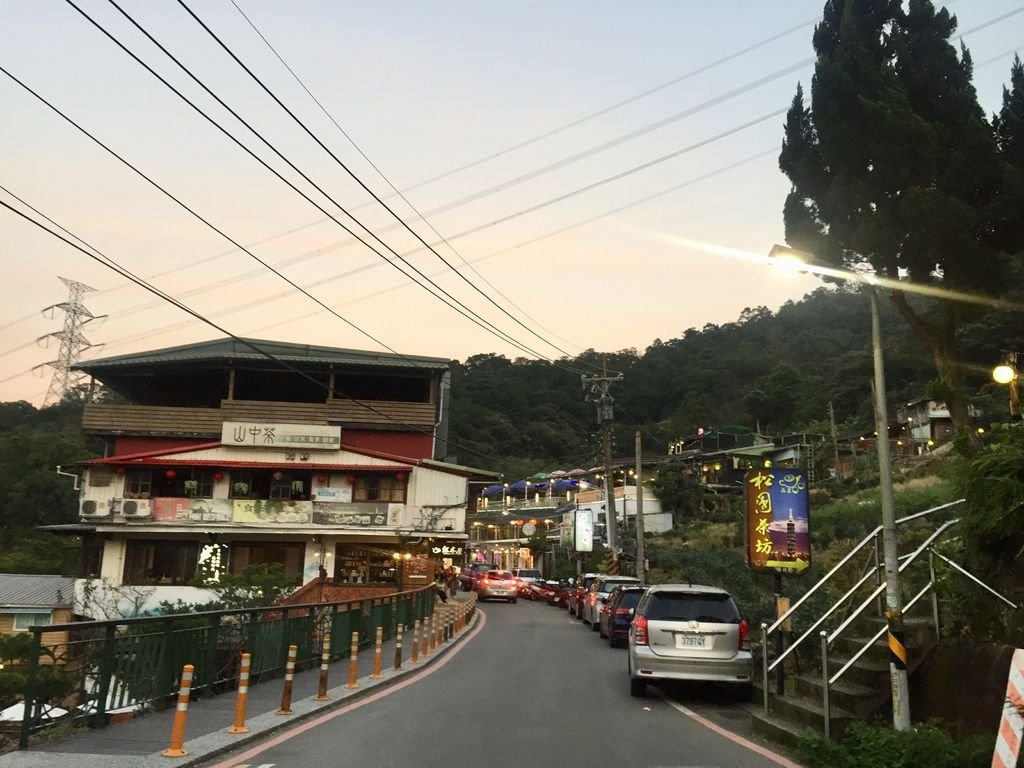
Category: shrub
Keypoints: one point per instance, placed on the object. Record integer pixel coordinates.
(872, 745)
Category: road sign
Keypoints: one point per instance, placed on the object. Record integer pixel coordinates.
(778, 517)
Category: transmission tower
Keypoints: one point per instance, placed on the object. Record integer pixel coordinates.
(72, 341)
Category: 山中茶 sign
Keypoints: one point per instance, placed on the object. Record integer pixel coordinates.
(778, 520)
(290, 437)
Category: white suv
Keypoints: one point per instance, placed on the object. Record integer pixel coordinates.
(526, 578)
(597, 595)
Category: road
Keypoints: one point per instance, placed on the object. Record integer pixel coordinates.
(532, 688)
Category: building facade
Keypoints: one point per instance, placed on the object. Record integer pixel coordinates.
(226, 454)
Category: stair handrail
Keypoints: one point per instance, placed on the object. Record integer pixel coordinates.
(767, 630)
(975, 579)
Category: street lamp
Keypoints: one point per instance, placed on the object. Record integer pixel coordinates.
(788, 258)
(1009, 373)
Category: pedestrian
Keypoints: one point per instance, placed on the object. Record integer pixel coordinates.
(439, 585)
(453, 581)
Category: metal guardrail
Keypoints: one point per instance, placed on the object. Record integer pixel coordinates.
(95, 667)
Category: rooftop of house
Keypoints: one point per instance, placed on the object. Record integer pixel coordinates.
(233, 350)
(22, 590)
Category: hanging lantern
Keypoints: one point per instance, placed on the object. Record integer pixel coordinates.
(400, 476)
(218, 476)
(119, 470)
(321, 478)
(351, 479)
(170, 474)
(278, 475)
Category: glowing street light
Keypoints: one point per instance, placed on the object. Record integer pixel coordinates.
(1009, 373)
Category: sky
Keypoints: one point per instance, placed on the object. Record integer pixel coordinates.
(564, 154)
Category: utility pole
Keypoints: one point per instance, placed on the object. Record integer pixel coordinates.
(893, 595)
(835, 441)
(72, 342)
(596, 390)
(641, 556)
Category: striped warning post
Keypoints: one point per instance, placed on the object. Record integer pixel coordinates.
(353, 663)
(325, 661)
(242, 698)
(378, 647)
(1012, 724)
(415, 643)
(399, 630)
(289, 681)
(176, 749)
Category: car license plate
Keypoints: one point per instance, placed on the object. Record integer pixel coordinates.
(500, 591)
(691, 641)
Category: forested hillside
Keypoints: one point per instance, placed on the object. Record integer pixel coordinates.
(773, 371)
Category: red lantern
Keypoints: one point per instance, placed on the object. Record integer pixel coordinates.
(119, 470)
(351, 479)
(400, 475)
(321, 478)
(278, 475)
(170, 474)
(218, 476)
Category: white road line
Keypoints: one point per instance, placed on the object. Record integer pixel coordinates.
(776, 758)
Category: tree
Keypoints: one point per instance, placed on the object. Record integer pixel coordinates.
(895, 169)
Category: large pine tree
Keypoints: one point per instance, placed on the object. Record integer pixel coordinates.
(896, 169)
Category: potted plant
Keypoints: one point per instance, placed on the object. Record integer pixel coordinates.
(240, 489)
(191, 487)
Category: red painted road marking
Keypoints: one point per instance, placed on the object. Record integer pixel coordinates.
(776, 758)
(299, 729)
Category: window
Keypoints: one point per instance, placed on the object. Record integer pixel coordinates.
(290, 555)
(200, 483)
(362, 565)
(691, 606)
(160, 562)
(138, 483)
(22, 621)
(379, 488)
(241, 485)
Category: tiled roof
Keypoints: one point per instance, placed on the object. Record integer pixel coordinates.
(230, 349)
(20, 590)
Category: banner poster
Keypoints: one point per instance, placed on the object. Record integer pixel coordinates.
(778, 520)
(261, 511)
(351, 515)
(584, 531)
(176, 510)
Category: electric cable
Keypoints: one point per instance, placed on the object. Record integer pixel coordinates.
(433, 289)
(355, 177)
(112, 264)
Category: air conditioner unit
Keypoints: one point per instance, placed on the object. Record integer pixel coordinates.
(92, 508)
(135, 508)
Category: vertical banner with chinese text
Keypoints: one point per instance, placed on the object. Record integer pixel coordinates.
(778, 520)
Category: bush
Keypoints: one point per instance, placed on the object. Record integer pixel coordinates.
(870, 745)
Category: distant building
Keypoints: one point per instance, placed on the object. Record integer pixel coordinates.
(28, 600)
(926, 419)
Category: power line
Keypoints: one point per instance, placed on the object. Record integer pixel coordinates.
(397, 192)
(434, 290)
(124, 272)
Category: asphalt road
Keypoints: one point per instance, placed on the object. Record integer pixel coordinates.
(532, 688)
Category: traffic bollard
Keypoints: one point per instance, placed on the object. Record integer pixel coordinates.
(289, 677)
(428, 628)
(180, 716)
(353, 668)
(415, 643)
(378, 648)
(398, 646)
(325, 660)
(242, 699)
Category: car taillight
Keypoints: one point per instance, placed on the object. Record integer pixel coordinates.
(744, 635)
(640, 630)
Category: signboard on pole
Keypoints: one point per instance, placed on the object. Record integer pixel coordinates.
(778, 521)
(583, 534)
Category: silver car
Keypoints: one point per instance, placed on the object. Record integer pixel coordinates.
(497, 585)
(688, 632)
(597, 596)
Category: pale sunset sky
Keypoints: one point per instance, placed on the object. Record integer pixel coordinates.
(564, 111)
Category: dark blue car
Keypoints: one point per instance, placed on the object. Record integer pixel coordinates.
(617, 613)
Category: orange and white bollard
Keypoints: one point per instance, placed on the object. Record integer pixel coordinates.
(242, 699)
(378, 648)
(398, 646)
(415, 643)
(325, 660)
(289, 678)
(425, 637)
(181, 715)
(353, 668)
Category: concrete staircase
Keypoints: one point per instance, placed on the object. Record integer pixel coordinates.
(861, 693)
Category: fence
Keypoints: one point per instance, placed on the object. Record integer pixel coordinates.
(106, 667)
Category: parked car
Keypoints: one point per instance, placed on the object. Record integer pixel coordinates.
(688, 632)
(497, 585)
(560, 597)
(617, 614)
(527, 577)
(578, 592)
(597, 594)
(472, 573)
